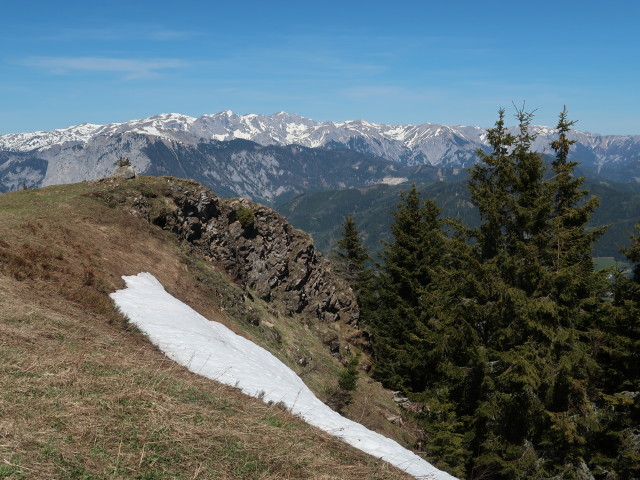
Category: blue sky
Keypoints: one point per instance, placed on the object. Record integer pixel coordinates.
(68, 62)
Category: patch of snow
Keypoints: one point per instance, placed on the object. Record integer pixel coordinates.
(242, 135)
(394, 180)
(212, 350)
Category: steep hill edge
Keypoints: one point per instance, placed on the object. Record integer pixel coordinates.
(73, 379)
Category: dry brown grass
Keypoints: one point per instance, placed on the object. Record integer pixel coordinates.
(82, 396)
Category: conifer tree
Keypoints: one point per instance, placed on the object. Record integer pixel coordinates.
(351, 256)
(507, 187)
(491, 185)
(572, 243)
(409, 262)
(446, 349)
(536, 410)
(421, 317)
(576, 292)
(631, 332)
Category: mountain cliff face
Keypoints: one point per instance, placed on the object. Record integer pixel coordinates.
(253, 155)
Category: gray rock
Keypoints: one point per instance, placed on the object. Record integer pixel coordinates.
(126, 172)
(269, 256)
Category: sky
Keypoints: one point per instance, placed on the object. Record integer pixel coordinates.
(64, 63)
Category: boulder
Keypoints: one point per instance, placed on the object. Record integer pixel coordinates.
(125, 172)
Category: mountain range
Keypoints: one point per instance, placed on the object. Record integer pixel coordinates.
(271, 158)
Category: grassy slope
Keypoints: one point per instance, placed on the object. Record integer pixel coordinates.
(84, 396)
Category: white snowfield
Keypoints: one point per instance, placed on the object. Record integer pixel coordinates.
(212, 350)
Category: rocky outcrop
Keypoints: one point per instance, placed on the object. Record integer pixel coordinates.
(125, 171)
(259, 250)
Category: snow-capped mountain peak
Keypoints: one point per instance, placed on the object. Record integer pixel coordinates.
(404, 143)
(428, 144)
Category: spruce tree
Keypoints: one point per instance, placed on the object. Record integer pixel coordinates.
(525, 358)
(507, 187)
(423, 339)
(409, 262)
(536, 410)
(633, 254)
(491, 184)
(632, 328)
(351, 256)
(572, 242)
(446, 349)
(577, 292)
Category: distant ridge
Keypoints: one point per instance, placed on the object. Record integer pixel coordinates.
(175, 144)
(427, 143)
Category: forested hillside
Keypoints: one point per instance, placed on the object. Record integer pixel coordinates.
(321, 213)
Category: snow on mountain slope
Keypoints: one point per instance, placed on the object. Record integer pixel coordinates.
(427, 143)
(422, 144)
(166, 125)
(212, 350)
(24, 142)
(183, 146)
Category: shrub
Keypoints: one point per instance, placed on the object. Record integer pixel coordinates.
(245, 216)
(348, 376)
(123, 162)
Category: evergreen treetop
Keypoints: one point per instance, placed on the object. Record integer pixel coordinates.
(352, 257)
